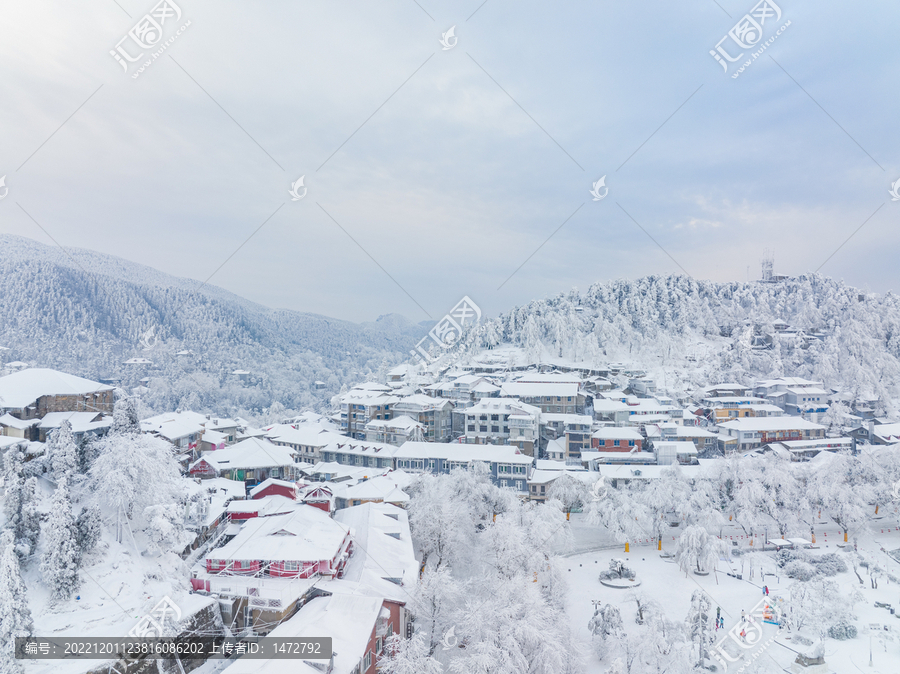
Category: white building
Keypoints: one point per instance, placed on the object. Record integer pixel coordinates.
(501, 421)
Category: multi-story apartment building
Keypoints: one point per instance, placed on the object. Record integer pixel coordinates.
(506, 465)
(395, 431)
(559, 397)
(432, 413)
(501, 421)
(749, 433)
(365, 403)
(573, 429)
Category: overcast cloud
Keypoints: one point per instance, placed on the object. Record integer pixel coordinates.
(451, 185)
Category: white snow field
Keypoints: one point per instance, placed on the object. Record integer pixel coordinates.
(668, 586)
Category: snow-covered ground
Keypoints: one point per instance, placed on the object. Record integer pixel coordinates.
(664, 583)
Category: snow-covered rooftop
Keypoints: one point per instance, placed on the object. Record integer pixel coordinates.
(20, 389)
(248, 454)
(305, 535)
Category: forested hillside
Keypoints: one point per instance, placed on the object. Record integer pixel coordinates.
(701, 332)
(87, 313)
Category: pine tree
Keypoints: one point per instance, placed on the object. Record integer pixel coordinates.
(89, 528)
(125, 417)
(15, 616)
(63, 452)
(59, 564)
(30, 522)
(698, 624)
(15, 492)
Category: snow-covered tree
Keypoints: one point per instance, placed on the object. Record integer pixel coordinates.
(30, 522)
(408, 656)
(14, 482)
(617, 510)
(818, 605)
(63, 452)
(699, 625)
(570, 491)
(658, 498)
(88, 525)
(59, 563)
(15, 616)
(132, 473)
(697, 549)
(125, 416)
(606, 627)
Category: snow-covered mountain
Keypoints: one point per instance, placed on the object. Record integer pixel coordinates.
(87, 313)
(690, 333)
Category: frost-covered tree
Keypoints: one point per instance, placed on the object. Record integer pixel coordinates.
(617, 510)
(658, 498)
(699, 625)
(514, 631)
(59, 563)
(30, 522)
(570, 491)
(818, 605)
(88, 526)
(408, 656)
(63, 452)
(606, 628)
(125, 416)
(15, 616)
(132, 473)
(697, 549)
(14, 482)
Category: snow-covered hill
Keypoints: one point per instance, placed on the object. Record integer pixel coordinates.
(87, 313)
(691, 333)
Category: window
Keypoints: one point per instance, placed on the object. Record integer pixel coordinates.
(503, 483)
(483, 429)
(506, 429)
(519, 485)
(379, 645)
(495, 417)
(543, 488)
(495, 429)
(292, 566)
(616, 443)
(631, 443)
(367, 661)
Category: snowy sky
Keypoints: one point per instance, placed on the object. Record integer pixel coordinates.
(457, 177)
